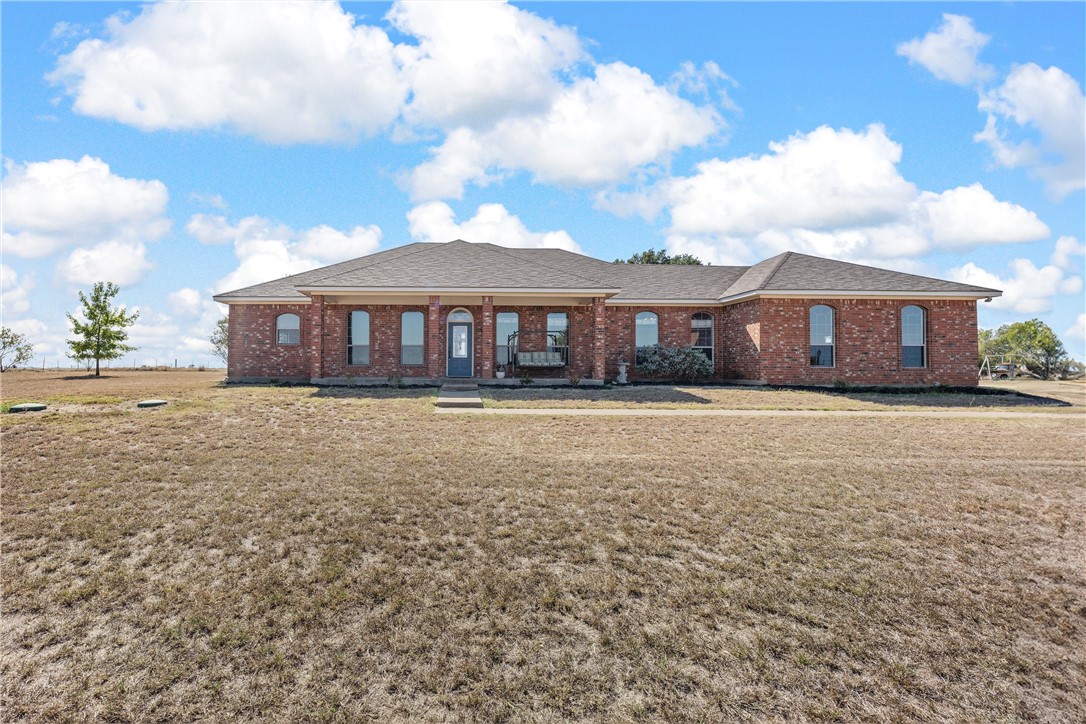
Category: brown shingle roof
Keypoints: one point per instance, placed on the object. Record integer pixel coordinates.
(793, 272)
(462, 265)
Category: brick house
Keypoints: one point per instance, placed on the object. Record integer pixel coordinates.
(429, 311)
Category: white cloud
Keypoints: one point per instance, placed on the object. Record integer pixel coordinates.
(477, 62)
(282, 72)
(970, 215)
(820, 180)
(1078, 329)
(1050, 103)
(510, 90)
(185, 302)
(492, 223)
(14, 294)
(48, 205)
(215, 201)
(266, 250)
(835, 193)
(1066, 248)
(950, 52)
(331, 245)
(597, 131)
(1027, 290)
(121, 262)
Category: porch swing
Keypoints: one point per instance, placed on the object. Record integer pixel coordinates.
(556, 355)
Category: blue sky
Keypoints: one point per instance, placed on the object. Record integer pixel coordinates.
(183, 150)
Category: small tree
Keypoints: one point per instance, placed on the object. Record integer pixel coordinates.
(220, 339)
(15, 349)
(1036, 344)
(653, 256)
(102, 336)
(1032, 343)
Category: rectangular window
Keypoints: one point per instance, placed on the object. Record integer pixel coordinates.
(507, 324)
(411, 339)
(459, 341)
(558, 335)
(821, 342)
(913, 348)
(646, 334)
(358, 339)
(701, 334)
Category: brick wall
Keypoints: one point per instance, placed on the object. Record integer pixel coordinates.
(765, 339)
(868, 342)
(674, 331)
(741, 341)
(253, 349)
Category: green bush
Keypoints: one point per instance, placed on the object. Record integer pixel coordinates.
(685, 364)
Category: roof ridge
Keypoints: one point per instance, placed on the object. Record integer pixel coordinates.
(504, 251)
(423, 246)
(776, 268)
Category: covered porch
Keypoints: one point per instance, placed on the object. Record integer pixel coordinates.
(370, 336)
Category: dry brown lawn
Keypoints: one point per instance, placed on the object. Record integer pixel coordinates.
(764, 398)
(303, 554)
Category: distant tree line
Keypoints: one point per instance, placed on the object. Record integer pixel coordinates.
(654, 256)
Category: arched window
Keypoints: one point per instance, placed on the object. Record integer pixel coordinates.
(411, 338)
(701, 334)
(358, 338)
(913, 348)
(558, 334)
(507, 325)
(288, 329)
(822, 341)
(646, 333)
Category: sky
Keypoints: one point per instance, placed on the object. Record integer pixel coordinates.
(180, 150)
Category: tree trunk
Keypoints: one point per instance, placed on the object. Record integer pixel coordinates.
(97, 373)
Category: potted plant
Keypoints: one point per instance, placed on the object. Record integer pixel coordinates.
(500, 373)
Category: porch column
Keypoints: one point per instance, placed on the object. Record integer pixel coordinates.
(435, 353)
(316, 336)
(599, 339)
(486, 353)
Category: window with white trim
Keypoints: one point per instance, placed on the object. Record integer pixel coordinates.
(822, 341)
(558, 334)
(358, 338)
(913, 346)
(701, 334)
(411, 339)
(288, 329)
(506, 324)
(646, 333)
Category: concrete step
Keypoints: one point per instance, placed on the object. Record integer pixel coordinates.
(463, 399)
(459, 386)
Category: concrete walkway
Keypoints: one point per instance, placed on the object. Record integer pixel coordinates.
(627, 412)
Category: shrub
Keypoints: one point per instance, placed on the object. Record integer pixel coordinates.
(526, 379)
(395, 380)
(574, 378)
(682, 363)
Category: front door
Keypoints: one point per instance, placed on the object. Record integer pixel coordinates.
(459, 347)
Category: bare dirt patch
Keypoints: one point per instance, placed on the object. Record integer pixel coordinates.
(292, 553)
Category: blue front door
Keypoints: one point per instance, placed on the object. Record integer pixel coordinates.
(459, 347)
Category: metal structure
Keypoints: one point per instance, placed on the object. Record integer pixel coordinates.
(556, 356)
